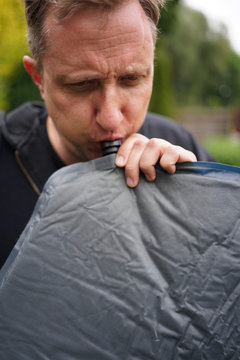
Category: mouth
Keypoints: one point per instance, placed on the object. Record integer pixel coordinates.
(112, 138)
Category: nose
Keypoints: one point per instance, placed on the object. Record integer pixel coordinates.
(109, 110)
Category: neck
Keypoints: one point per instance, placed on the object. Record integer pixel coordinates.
(58, 144)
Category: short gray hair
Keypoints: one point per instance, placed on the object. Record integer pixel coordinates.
(36, 12)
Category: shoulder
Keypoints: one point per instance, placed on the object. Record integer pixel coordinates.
(159, 126)
(19, 123)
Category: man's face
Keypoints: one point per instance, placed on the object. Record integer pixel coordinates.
(97, 78)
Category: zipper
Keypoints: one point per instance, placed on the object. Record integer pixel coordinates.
(25, 172)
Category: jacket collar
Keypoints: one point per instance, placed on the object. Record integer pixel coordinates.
(25, 131)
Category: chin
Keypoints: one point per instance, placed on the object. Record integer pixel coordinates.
(93, 155)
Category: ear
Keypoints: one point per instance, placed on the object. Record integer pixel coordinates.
(32, 68)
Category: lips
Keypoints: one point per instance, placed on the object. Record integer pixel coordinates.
(112, 138)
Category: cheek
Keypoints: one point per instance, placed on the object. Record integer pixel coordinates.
(66, 106)
(72, 120)
(137, 107)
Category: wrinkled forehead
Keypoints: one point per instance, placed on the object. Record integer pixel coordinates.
(125, 17)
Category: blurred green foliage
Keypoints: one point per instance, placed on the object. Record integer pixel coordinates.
(205, 69)
(20, 87)
(194, 63)
(225, 149)
(167, 21)
(200, 67)
(12, 44)
(162, 101)
(12, 35)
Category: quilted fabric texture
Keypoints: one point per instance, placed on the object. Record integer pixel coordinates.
(107, 272)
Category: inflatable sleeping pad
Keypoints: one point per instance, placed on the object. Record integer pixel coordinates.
(107, 272)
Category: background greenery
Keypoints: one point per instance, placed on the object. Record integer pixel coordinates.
(194, 66)
(199, 65)
(225, 149)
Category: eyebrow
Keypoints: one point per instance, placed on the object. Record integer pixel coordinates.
(83, 76)
(92, 75)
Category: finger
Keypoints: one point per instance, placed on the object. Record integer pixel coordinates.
(132, 165)
(150, 156)
(126, 148)
(173, 155)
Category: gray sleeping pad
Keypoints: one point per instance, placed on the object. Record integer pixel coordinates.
(106, 272)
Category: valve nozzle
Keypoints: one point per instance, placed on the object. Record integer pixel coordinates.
(110, 147)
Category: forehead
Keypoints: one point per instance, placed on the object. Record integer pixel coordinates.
(96, 35)
(96, 24)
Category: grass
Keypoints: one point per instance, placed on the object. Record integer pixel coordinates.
(225, 148)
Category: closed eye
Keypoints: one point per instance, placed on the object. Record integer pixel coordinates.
(131, 80)
(85, 85)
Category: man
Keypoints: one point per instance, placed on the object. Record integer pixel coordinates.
(93, 64)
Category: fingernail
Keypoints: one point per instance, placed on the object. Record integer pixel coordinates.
(120, 161)
(130, 182)
(150, 177)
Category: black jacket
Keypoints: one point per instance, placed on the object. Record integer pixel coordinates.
(27, 160)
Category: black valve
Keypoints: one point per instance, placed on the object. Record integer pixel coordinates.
(110, 147)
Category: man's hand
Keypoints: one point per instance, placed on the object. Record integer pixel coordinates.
(140, 153)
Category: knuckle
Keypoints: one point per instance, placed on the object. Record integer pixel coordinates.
(129, 168)
(153, 142)
(145, 167)
(173, 150)
(179, 149)
(139, 143)
(137, 137)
